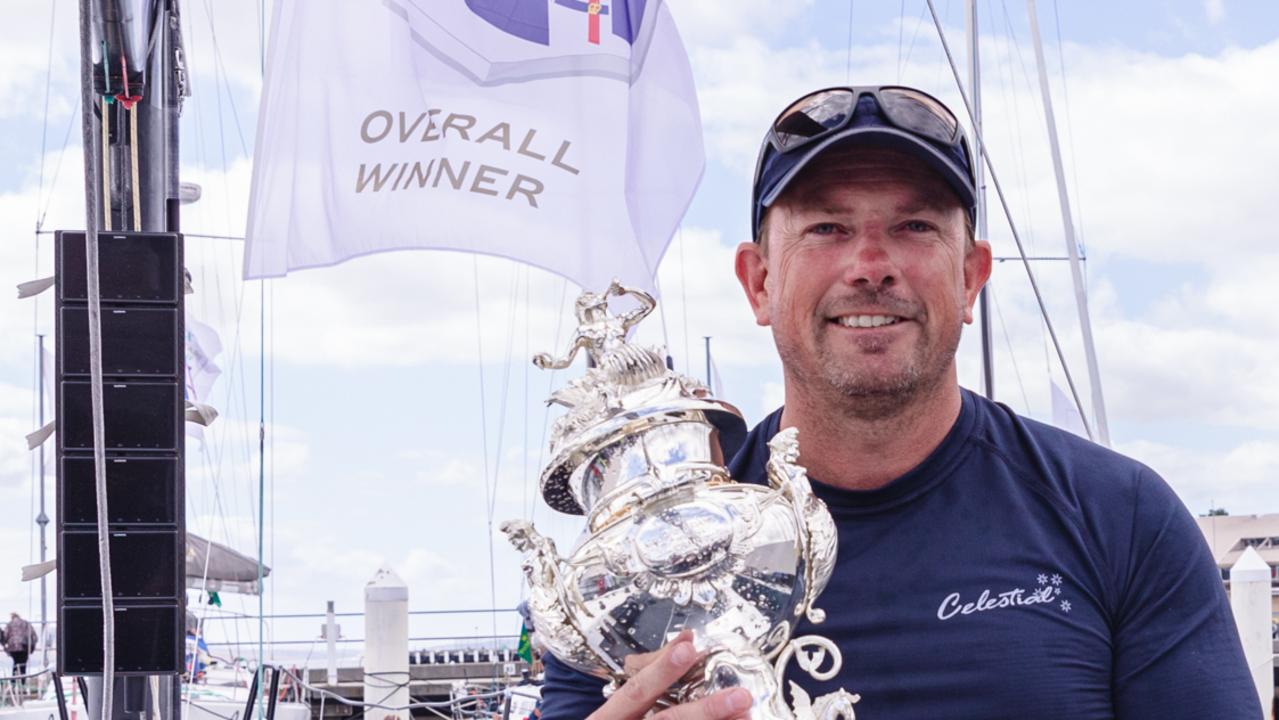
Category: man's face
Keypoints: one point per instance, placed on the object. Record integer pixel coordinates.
(867, 278)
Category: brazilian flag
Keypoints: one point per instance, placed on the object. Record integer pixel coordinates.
(525, 649)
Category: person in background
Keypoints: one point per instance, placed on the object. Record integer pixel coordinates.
(19, 639)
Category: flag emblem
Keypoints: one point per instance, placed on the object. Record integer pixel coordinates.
(563, 38)
(531, 19)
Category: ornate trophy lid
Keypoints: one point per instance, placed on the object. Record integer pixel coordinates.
(627, 391)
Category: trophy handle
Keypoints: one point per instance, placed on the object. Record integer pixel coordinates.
(810, 653)
(554, 629)
(817, 531)
(744, 667)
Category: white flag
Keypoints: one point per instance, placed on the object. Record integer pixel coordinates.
(202, 346)
(561, 133)
(1065, 415)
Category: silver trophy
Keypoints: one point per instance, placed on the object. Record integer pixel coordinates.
(671, 541)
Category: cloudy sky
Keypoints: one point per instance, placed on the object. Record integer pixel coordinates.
(399, 399)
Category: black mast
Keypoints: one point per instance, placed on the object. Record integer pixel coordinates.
(133, 80)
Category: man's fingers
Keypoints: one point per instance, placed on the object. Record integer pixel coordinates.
(722, 705)
(636, 697)
(638, 661)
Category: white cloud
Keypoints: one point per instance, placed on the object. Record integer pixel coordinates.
(443, 472)
(16, 420)
(1215, 10)
(706, 23)
(25, 56)
(1240, 479)
(1165, 181)
(701, 297)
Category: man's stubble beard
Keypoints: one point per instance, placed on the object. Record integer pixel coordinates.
(859, 393)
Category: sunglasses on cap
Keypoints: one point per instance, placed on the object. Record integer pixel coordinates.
(824, 112)
(910, 119)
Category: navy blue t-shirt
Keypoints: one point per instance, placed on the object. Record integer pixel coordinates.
(1018, 572)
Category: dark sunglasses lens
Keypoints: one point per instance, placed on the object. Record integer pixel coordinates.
(812, 116)
(919, 113)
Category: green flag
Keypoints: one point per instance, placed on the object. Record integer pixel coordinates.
(214, 599)
(525, 649)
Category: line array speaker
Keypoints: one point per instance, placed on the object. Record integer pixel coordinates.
(140, 278)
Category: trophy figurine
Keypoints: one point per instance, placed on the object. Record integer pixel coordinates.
(671, 541)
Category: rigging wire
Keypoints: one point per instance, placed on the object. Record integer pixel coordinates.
(683, 295)
(848, 63)
(271, 439)
(219, 77)
(221, 82)
(57, 169)
(1009, 90)
(903, 64)
(1030, 273)
(95, 369)
(213, 460)
(236, 367)
(44, 125)
(527, 365)
(994, 300)
(550, 383)
(941, 65)
(479, 350)
(37, 476)
(661, 314)
(221, 73)
(37, 466)
(901, 29)
(199, 627)
(501, 433)
(1020, 166)
(213, 471)
(261, 394)
(1070, 137)
(261, 522)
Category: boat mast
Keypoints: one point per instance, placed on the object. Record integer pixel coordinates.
(983, 300)
(132, 83)
(42, 519)
(1072, 246)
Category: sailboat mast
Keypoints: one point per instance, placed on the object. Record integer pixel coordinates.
(42, 519)
(132, 83)
(707, 338)
(983, 300)
(1072, 246)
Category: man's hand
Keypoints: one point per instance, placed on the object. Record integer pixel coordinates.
(657, 674)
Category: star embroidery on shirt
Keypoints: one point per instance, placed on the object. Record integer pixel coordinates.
(1043, 579)
(1065, 606)
(1056, 579)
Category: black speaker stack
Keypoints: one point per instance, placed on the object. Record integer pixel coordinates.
(143, 384)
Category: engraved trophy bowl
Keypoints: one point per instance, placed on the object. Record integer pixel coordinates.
(671, 541)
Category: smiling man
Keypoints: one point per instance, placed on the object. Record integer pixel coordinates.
(989, 566)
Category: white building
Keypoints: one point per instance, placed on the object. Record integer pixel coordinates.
(1229, 535)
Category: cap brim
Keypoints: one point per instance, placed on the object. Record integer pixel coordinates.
(888, 137)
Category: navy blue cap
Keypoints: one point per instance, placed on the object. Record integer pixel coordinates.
(775, 170)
